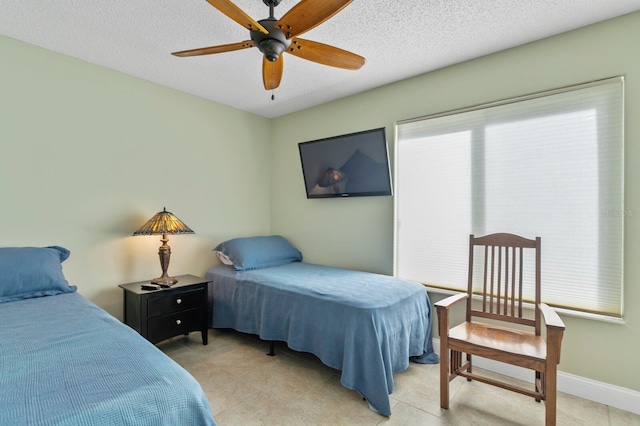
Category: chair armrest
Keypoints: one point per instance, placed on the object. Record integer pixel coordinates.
(555, 331)
(450, 301)
(551, 318)
(442, 311)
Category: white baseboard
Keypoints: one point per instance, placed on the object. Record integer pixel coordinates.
(600, 392)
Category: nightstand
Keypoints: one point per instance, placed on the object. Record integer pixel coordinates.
(160, 314)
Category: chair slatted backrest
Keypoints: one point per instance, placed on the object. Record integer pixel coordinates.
(502, 266)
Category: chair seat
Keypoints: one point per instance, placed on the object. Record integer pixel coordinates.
(499, 343)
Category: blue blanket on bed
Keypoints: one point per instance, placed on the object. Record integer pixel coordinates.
(64, 361)
(366, 325)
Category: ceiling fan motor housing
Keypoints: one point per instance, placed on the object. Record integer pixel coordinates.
(272, 44)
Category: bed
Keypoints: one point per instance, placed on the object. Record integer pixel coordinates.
(65, 361)
(366, 325)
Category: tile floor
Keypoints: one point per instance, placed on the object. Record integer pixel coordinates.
(247, 387)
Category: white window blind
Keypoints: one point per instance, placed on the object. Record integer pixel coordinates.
(547, 165)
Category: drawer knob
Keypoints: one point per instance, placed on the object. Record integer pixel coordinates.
(178, 322)
(179, 301)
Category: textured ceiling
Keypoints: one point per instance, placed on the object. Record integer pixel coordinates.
(399, 39)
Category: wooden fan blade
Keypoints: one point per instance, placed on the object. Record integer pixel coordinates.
(272, 72)
(215, 49)
(308, 14)
(237, 14)
(325, 54)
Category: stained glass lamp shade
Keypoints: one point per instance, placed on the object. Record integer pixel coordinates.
(164, 223)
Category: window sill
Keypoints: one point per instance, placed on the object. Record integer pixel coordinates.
(560, 311)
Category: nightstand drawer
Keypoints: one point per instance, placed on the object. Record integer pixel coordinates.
(166, 326)
(167, 302)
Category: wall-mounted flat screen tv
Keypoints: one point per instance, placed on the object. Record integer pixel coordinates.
(352, 165)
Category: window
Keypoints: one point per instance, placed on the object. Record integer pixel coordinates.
(547, 165)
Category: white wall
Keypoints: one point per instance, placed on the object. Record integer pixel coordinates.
(358, 233)
(88, 155)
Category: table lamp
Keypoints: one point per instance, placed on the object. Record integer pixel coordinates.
(164, 223)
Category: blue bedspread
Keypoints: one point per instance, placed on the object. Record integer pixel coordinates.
(366, 325)
(65, 361)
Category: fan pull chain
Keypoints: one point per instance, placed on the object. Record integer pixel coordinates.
(273, 96)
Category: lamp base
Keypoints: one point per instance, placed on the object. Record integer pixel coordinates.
(164, 281)
(164, 252)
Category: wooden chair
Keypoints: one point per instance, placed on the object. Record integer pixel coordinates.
(500, 300)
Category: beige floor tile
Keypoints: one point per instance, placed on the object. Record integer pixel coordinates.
(329, 403)
(622, 418)
(419, 386)
(578, 411)
(481, 404)
(284, 378)
(260, 410)
(407, 415)
(241, 360)
(247, 387)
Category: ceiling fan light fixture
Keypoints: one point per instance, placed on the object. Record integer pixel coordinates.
(271, 44)
(271, 3)
(271, 48)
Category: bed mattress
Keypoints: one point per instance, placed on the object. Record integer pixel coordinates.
(366, 325)
(65, 361)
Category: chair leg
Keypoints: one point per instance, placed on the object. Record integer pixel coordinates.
(444, 374)
(549, 380)
(469, 368)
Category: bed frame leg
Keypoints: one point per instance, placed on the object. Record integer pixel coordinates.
(272, 348)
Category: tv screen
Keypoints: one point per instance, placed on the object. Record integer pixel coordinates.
(352, 165)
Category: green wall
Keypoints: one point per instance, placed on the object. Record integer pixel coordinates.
(358, 233)
(87, 155)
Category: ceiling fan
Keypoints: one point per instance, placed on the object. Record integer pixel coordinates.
(274, 36)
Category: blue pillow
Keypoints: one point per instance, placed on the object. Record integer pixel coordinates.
(27, 272)
(258, 252)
